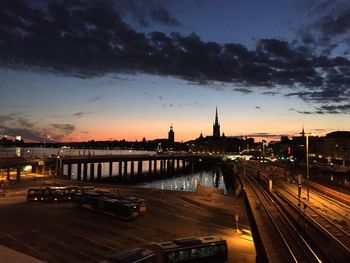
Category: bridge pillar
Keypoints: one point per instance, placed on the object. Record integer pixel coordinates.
(162, 166)
(18, 175)
(61, 168)
(149, 166)
(132, 168)
(41, 169)
(79, 172)
(155, 167)
(33, 168)
(168, 166)
(125, 170)
(177, 164)
(173, 165)
(57, 168)
(69, 175)
(50, 169)
(120, 171)
(44, 169)
(85, 171)
(139, 168)
(92, 171)
(8, 177)
(99, 171)
(110, 170)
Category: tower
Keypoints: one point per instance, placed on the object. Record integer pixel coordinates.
(216, 126)
(302, 133)
(171, 134)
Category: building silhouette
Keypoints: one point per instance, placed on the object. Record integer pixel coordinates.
(171, 134)
(216, 126)
(217, 143)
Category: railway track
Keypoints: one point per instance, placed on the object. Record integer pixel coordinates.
(325, 236)
(291, 244)
(330, 208)
(333, 230)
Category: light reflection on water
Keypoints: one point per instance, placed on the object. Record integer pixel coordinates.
(189, 182)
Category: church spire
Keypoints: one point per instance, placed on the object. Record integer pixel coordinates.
(216, 117)
(216, 126)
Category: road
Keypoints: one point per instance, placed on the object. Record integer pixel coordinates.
(64, 233)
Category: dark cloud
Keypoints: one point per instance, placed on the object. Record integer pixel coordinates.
(161, 15)
(306, 112)
(336, 25)
(79, 114)
(243, 90)
(257, 107)
(6, 118)
(145, 12)
(331, 28)
(265, 135)
(331, 93)
(25, 123)
(271, 93)
(320, 112)
(91, 38)
(65, 128)
(97, 98)
(26, 133)
(335, 109)
(31, 131)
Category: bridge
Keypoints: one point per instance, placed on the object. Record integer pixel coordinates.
(129, 166)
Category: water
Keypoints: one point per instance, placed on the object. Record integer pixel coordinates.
(115, 168)
(44, 152)
(189, 182)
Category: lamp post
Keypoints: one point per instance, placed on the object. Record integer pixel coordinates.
(307, 164)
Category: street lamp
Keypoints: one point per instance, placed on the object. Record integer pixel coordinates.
(307, 163)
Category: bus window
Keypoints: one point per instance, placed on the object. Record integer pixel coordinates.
(223, 248)
(183, 255)
(172, 257)
(203, 252)
(190, 249)
(32, 192)
(193, 253)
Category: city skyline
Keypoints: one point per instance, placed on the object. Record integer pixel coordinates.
(129, 69)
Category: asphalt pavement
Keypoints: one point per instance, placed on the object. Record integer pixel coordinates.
(61, 232)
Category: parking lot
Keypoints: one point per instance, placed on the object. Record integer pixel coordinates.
(61, 232)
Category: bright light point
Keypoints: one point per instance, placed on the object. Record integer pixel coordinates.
(27, 168)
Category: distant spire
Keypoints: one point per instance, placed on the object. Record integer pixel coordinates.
(216, 126)
(302, 132)
(216, 116)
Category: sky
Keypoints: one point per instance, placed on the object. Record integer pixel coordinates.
(111, 70)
